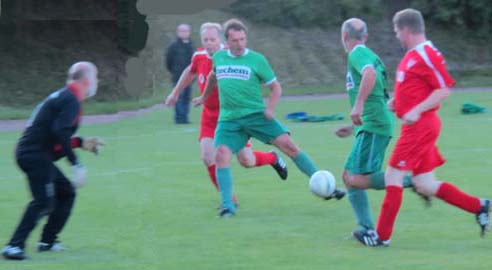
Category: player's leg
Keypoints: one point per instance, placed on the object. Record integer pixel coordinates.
(40, 174)
(359, 201)
(364, 162)
(207, 155)
(229, 139)
(389, 210)
(249, 159)
(427, 184)
(223, 156)
(64, 201)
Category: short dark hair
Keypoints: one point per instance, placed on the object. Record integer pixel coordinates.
(410, 18)
(235, 25)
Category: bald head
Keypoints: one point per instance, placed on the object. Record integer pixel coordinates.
(355, 29)
(85, 75)
(183, 31)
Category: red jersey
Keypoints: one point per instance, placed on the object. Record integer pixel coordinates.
(201, 64)
(421, 71)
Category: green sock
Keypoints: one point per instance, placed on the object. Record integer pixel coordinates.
(224, 179)
(304, 163)
(360, 203)
(377, 181)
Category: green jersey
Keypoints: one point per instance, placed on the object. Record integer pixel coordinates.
(376, 117)
(240, 79)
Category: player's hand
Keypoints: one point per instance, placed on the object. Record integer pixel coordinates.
(411, 117)
(391, 104)
(79, 175)
(92, 144)
(356, 115)
(269, 114)
(344, 131)
(198, 101)
(171, 100)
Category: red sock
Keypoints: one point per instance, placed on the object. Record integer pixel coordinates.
(264, 158)
(389, 211)
(213, 178)
(452, 195)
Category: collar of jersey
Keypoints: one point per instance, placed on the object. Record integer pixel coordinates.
(246, 51)
(422, 44)
(357, 46)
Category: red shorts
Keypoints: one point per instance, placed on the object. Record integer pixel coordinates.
(209, 124)
(416, 148)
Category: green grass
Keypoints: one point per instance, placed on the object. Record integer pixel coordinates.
(464, 79)
(150, 205)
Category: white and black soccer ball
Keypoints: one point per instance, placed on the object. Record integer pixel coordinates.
(322, 184)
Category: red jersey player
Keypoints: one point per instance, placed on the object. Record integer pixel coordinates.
(422, 83)
(201, 65)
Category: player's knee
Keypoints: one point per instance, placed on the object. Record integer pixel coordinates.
(286, 145)
(422, 187)
(207, 158)
(222, 156)
(44, 206)
(347, 179)
(246, 162)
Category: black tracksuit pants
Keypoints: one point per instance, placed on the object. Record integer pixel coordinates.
(53, 195)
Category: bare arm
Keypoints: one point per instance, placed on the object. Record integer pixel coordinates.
(185, 79)
(430, 102)
(275, 93)
(209, 87)
(366, 85)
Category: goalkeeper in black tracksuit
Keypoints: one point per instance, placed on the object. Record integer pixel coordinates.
(47, 138)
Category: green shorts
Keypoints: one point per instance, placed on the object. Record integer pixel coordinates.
(235, 133)
(367, 154)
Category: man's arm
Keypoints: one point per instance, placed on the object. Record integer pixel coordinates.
(366, 85)
(62, 128)
(275, 93)
(430, 102)
(209, 87)
(185, 79)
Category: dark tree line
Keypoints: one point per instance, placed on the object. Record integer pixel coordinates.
(474, 16)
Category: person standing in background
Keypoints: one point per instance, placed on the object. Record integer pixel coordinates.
(178, 57)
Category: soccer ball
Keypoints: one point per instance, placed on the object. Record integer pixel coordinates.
(322, 184)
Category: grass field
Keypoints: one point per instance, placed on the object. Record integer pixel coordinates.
(150, 205)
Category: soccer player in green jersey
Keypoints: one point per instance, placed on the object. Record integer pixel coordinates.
(372, 121)
(239, 73)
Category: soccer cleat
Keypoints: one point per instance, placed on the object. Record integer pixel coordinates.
(56, 246)
(337, 194)
(427, 199)
(280, 166)
(219, 207)
(483, 217)
(369, 238)
(13, 253)
(225, 213)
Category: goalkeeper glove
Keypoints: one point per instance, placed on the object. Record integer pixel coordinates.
(79, 175)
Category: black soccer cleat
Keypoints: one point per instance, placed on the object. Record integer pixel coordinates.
(279, 166)
(369, 238)
(427, 200)
(337, 194)
(483, 217)
(56, 246)
(226, 213)
(13, 253)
